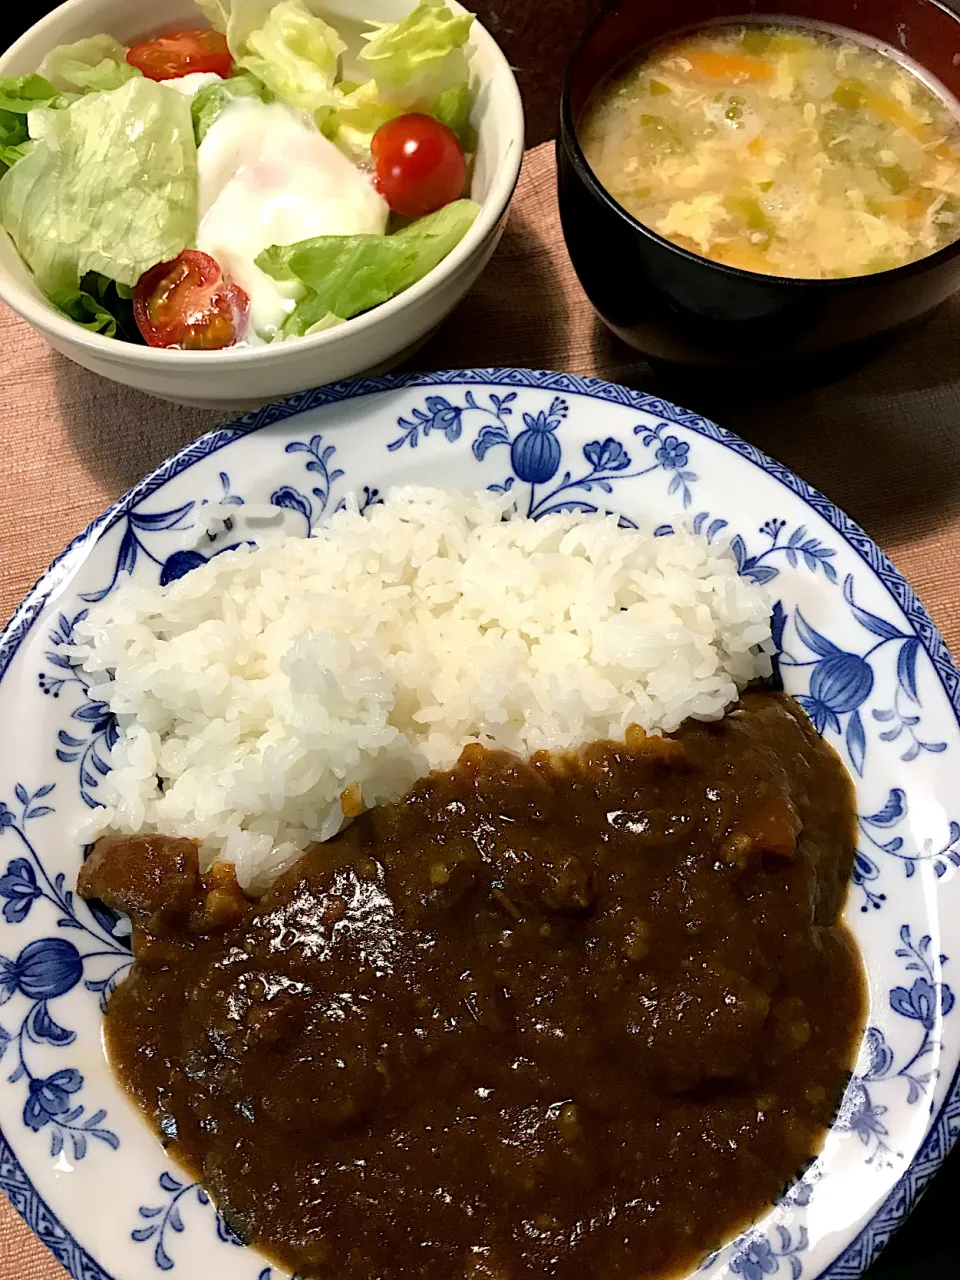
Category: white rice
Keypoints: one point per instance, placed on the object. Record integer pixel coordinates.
(266, 682)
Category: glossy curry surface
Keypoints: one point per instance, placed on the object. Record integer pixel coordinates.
(576, 1017)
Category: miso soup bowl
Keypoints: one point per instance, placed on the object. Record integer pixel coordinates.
(676, 306)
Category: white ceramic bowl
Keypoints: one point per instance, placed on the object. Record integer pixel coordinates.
(373, 341)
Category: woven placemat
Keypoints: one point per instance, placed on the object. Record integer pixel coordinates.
(883, 443)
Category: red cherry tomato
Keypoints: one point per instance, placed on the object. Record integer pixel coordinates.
(419, 163)
(180, 53)
(187, 303)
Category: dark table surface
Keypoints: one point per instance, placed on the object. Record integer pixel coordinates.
(538, 37)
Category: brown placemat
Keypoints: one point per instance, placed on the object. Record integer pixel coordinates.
(883, 443)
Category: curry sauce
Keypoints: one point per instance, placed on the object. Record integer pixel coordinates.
(580, 1016)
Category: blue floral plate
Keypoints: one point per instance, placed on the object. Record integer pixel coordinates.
(857, 649)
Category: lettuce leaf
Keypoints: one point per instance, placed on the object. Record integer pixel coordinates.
(208, 103)
(20, 98)
(235, 18)
(20, 94)
(39, 121)
(453, 109)
(102, 306)
(9, 155)
(344, 275)
(217, 12)
(417, 60)
(13, 138)
(111, 187)
(293, 52)
(88, 66)
(357, 119)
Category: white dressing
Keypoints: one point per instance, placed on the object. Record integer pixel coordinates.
(269, 176)
(190, 85)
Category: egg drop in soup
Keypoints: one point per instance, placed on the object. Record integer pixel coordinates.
(786, 150)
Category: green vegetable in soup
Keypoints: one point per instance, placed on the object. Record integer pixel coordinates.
(746, 209)
(895, 176)
(876, 265)
(660, 134)
(658, 89)
(850, 94)
(755, 41)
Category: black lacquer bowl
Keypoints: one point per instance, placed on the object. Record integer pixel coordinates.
(676, 306)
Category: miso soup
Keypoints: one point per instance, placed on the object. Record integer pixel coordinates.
(780, 149)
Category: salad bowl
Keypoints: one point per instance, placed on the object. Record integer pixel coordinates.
(855, 647)
(243, 376)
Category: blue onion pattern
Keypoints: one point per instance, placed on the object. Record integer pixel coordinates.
(839, 684)
(842, 682)
(757, 1256)
(179, 564)
(535, 453)
(50, 1099)
(43, 971)
(755, 1260)
(673, 454)
(164, 1218)
(925, 1002)
(881, 842)
(18, 885)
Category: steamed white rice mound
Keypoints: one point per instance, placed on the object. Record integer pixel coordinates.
(265, 683)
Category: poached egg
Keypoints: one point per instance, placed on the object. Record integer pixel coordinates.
(267, 176)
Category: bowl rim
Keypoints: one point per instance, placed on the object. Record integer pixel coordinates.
(568, 139)
(39, 313)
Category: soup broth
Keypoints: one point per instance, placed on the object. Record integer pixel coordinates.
(779, 149)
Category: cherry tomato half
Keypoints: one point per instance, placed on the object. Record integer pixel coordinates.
(187, 303)
(420, 164)
(180, 53)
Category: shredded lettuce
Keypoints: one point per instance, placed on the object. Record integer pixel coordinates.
(39, 121)
(111, 187)
(417, 60)
(358, 118)
(345, 275)
(208, 103)
(292, 51)
(88, 66)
